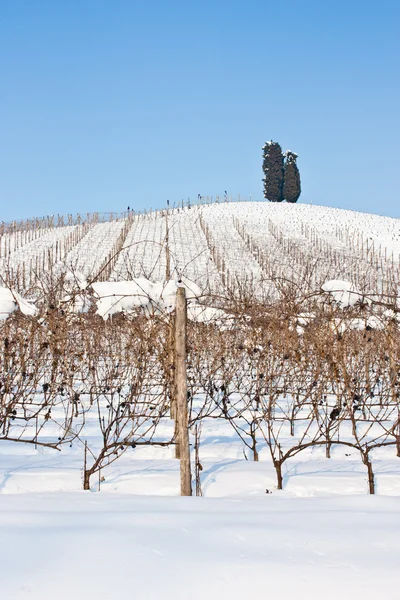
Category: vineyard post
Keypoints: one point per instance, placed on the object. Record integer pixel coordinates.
(167, 253)
(181, 391)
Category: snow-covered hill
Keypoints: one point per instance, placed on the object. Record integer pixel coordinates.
(221, 245)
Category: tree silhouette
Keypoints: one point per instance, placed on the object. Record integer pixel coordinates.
(291, 179)
(273, 170)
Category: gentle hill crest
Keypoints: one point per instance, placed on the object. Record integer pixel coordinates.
(219, 246)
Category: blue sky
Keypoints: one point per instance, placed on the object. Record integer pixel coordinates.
(109, 103)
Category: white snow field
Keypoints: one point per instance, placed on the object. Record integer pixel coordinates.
(107, 547)
(131, 535)
(321, 536)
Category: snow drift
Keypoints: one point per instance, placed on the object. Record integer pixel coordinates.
(11, 301)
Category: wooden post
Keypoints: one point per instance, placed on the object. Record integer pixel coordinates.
(167, 254)
(181, 391)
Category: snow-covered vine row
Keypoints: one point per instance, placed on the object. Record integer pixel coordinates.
(219, 246)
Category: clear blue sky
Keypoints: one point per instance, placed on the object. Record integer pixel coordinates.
(105, 103)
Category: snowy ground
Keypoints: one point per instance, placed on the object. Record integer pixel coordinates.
(155, 471)
(323, 536)
(106, 547)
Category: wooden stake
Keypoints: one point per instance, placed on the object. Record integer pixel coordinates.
(181, 391)
(167, 254)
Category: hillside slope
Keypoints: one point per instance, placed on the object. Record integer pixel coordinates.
(218, 246)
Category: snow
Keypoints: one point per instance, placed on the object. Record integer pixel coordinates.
(128, 296)
(11, 301)
(343, 292)
(207, 314)
(216, 245)
(113, 297)
(122, 296)
(75, 279)
(321, 535)
(107, 547)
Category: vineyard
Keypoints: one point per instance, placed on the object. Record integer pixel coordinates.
(220, 246)
(292, 351)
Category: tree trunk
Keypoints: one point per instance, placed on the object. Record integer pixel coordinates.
(255, 453)
(86, 479)
(328, 449)
(86, 472)
(198, 464)
(254, 441)
(177, 439)
(371, 476)
(278, 469)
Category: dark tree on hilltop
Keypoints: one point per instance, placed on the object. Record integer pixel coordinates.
(273, 171)
(291, 180)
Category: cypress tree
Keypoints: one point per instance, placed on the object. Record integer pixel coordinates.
(291, 179)
(273, 171)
